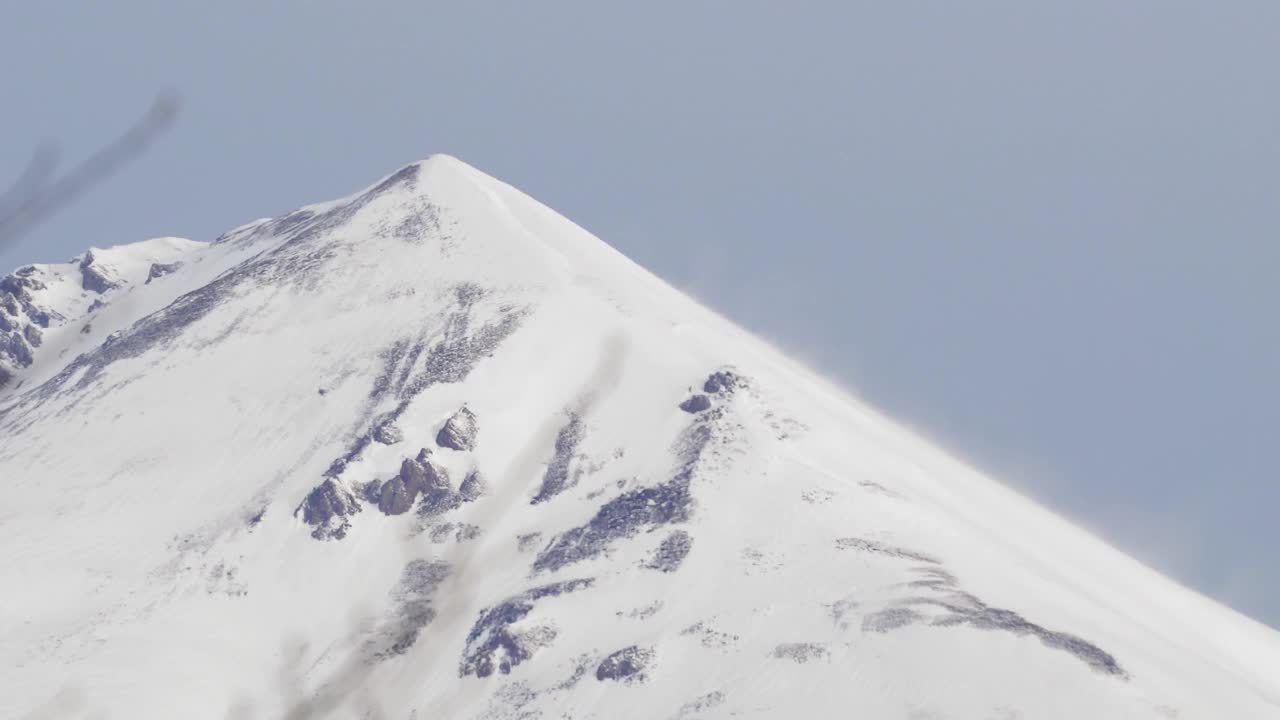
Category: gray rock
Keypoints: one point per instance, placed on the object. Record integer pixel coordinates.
(493, 644)
(33, 335)
(459, 431)
(696, 404)
(801, 652)
(394, 498)
(327, 508)
(439, 501)
(14, 348)
(556, 479)
(413, 475)
(627, 665)
(528, 541)
(414, 598)
(722, 382)
(882, 621)
(643, 508)
(436, 478)
(473, 486)
(387, 433)
(159, 270)
(92, 277)
(671, 553)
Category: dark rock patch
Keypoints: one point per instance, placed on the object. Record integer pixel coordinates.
(883, 621)
(696, 404)
(527, 541)
(14, 348)
(417, 476)
(387, 433)
(627, 665)
(876, 548)
(16, 301)
(722, 382)
(643, 612)
(159, 270)
(413, 473)
(493, 645)
(327, 508)
(962, 608)
(988, 618)
(625, 515)
(457, 532)
(556, 479)
(394, 498)
(438, 501)
(801, 652)
(417, 226)
(91, 276)
(459, 431)
(709, 637)
(671, 552)
(402, 377)
(413, 597)
(473, 486)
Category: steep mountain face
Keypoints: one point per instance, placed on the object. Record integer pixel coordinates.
(432, 451)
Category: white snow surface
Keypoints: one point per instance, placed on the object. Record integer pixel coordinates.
(776, 550)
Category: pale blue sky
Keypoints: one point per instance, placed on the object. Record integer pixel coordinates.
(1046, 234)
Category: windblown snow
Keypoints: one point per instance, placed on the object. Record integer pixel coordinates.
(433, 451)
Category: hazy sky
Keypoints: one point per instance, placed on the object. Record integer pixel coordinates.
(1045, 234)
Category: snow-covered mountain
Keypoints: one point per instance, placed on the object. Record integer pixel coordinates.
(433, 451)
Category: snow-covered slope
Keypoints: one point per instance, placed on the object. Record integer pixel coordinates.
(432, 451)
(47, 311)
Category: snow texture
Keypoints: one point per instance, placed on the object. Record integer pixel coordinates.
(231, 491)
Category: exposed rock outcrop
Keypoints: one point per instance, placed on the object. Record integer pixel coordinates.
(459, 431)
(417, 476)
(328, 508)
(723, 382)
(557, 478)
(473, 486)
(493, 644)
(627, 665)
(696, 404)
(92, 277)
(387, 433)
(671, 553)
(159, 270)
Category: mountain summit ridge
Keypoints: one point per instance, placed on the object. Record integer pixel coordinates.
(432, 450)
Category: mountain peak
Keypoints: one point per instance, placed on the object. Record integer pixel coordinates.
(432, 450)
